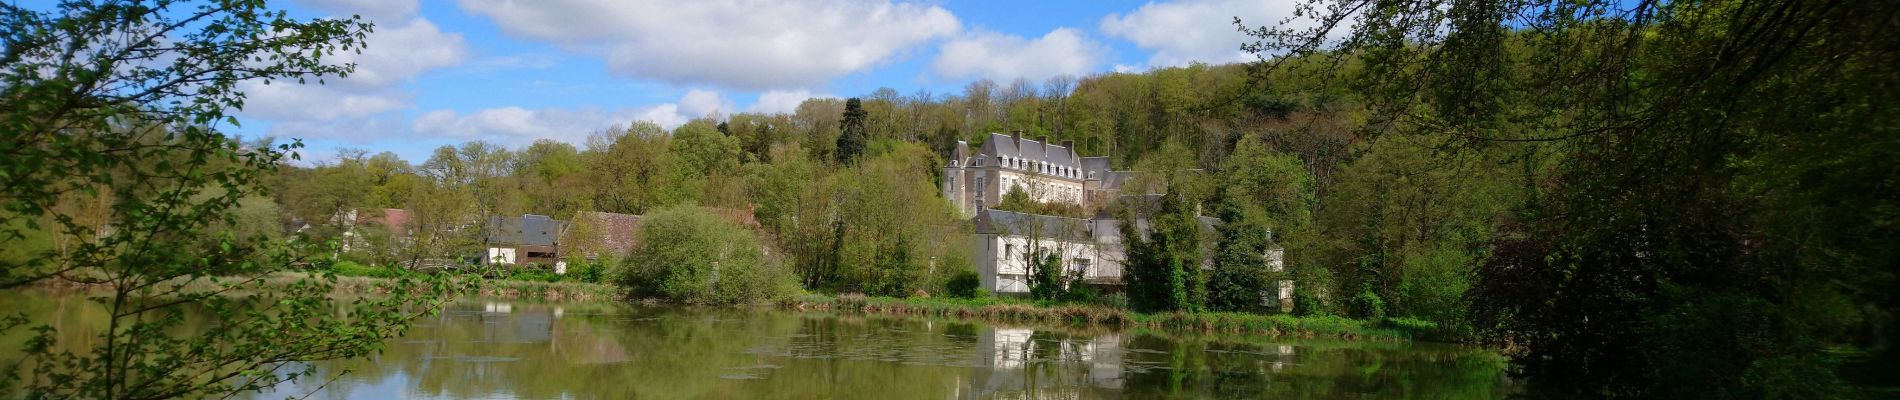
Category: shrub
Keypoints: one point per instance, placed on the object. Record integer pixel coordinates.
(1367, 304)
(963, 284)
(351, 268)
(590, 272)
(534, 275)
(692, 256)
(1114, 300)
(1413, 327)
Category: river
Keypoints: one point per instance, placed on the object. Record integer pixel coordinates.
(512, 349)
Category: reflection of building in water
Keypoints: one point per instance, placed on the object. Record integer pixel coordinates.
(502, 323)
(1024, 360)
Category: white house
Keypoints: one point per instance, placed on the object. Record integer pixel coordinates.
(1047, 172)
(1005, 241)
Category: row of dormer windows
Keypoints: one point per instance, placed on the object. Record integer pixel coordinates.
(1038, 167)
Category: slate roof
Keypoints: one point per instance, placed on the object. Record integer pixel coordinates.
(1000, 145)
(528, 230)
(1095, 167)
(993, 221)
(1011, 223)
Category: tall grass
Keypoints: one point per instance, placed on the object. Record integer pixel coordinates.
(1012, 310)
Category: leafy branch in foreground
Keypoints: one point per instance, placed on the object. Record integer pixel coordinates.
(1722, 208)
(114, 175)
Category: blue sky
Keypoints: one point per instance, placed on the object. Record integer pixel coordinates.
(512, 71)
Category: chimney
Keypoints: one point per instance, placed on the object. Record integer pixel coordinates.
(1068, 144)
(1017, 135)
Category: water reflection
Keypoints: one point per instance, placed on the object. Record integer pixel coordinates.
(496, 349)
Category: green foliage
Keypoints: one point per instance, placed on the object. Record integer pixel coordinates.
(1237, 289)
(1434, 287)
(1366, 304)
(111, 113)
(1681, 232)
(589, 272)
(963, 284)
(865, 231)
(1046, 278)
(1018, 200)
(693, 256)
(351, 268)
(852, 140)
(534, 275)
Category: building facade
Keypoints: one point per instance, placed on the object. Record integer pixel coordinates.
(530, 239)
(1006, 241)
(1046, 172)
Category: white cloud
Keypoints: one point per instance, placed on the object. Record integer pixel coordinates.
(1006, 57)
(1181, 32)
(520, 126)
(703, 103)
(290, 101)
(338, 106)
(398, 53)
(373, 10)
(747, 45)
(781, 101)
(359, 130)
(517, 126)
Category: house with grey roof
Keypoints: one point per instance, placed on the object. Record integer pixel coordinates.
(1047, 172)
(529, 239)
(1007, 242)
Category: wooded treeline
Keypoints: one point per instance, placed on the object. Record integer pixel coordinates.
(1679, 199)
(1709, 207)
(1372, 228)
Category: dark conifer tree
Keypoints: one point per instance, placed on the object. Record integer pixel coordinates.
(851, 141)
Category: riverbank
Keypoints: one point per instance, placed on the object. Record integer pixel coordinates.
(990, 309)
(497, 288)
(1020, 311)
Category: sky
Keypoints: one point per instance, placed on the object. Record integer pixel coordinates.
(440, 72)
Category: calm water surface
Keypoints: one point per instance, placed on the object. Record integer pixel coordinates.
(512, 349)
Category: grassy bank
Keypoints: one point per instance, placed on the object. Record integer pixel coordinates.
(1013, 310)
(521, 284)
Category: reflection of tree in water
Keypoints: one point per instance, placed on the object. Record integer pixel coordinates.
(603, 350)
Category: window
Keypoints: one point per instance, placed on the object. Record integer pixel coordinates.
(1009, 252)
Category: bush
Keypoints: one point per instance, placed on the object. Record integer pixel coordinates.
(590, 272)
(534, 275)
(1114, 300)
(692, 256)
(351, 268)
(1413, 327)
(963, 284)
(1367, 304)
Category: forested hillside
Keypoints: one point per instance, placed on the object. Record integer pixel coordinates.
(1374, 225)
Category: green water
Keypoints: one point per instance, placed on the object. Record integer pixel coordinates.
(512, 349)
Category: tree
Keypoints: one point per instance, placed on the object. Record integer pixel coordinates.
(1162, 270)
(117, 104)
(1672, 242)
(852, 140)
(693, 256)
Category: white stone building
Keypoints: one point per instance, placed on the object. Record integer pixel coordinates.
(1088, 248)
(1005, 241)
(1047, 172)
